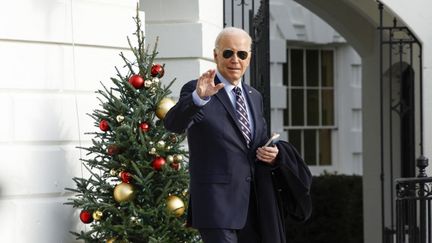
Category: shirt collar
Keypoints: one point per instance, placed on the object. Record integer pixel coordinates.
(228, 86)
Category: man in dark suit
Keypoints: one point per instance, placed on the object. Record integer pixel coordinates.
(226, 131)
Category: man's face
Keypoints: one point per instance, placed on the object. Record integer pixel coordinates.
(233, 67)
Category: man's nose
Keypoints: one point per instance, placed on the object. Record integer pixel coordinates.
(234, 58)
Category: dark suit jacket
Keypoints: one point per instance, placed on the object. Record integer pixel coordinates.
(221, 164)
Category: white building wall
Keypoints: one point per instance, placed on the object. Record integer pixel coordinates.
(187, 30)
(278, 97)
(348, 111)
(53, 56)
(292, 23)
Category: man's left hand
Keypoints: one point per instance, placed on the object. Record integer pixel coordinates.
(267, 154)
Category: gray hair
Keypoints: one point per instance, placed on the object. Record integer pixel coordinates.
(231, 31)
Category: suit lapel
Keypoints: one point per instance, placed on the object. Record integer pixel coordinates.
(226, 102)
(224, 99)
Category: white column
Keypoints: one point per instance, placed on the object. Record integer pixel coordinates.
(278, 91)
(187, 30)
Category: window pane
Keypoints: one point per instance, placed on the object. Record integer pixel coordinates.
(297, 67)
(327, 68)
(312, 68)
(285, 70)
(325, 155)
(286, 117)
(310, 149)
(294, 137)
(297, 107)
(327, 107)
(312, 108)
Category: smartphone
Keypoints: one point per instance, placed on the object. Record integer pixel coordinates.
(272, 139)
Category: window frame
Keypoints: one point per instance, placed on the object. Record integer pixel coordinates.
(287, 127)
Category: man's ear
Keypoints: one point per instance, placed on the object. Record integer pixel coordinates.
(214, 53)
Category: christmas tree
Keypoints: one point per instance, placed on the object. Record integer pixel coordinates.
(137, 185)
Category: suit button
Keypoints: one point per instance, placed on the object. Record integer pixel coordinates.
(248, 179)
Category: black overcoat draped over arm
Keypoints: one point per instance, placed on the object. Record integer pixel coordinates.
(283, 193)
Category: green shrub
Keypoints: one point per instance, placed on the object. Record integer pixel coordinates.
(337, 215)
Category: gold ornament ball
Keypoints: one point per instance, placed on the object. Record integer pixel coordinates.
(112, 240)
(97, 215)
(152, 151)
(163, 107)
(160, 144)
(119, 118)
(148, 83)
(124, 192)
(175, 205)
(178, 158)
(113, 172)
(170, 159)
(185, 192)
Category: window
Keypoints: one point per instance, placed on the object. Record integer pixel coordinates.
(309, 116)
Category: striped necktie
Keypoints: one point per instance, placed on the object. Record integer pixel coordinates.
(242, 114)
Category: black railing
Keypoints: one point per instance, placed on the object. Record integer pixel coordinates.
(413, 207)
(253, 17)
(401, 115)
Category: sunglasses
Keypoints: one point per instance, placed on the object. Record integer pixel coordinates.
(240, 54)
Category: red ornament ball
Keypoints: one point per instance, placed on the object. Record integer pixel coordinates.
(113, 149)
(157, 70)
(144, 126)
(103, 125)
(137, 81)
(175, 165)
(126, 177)
(86, 217)
(158, 163)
